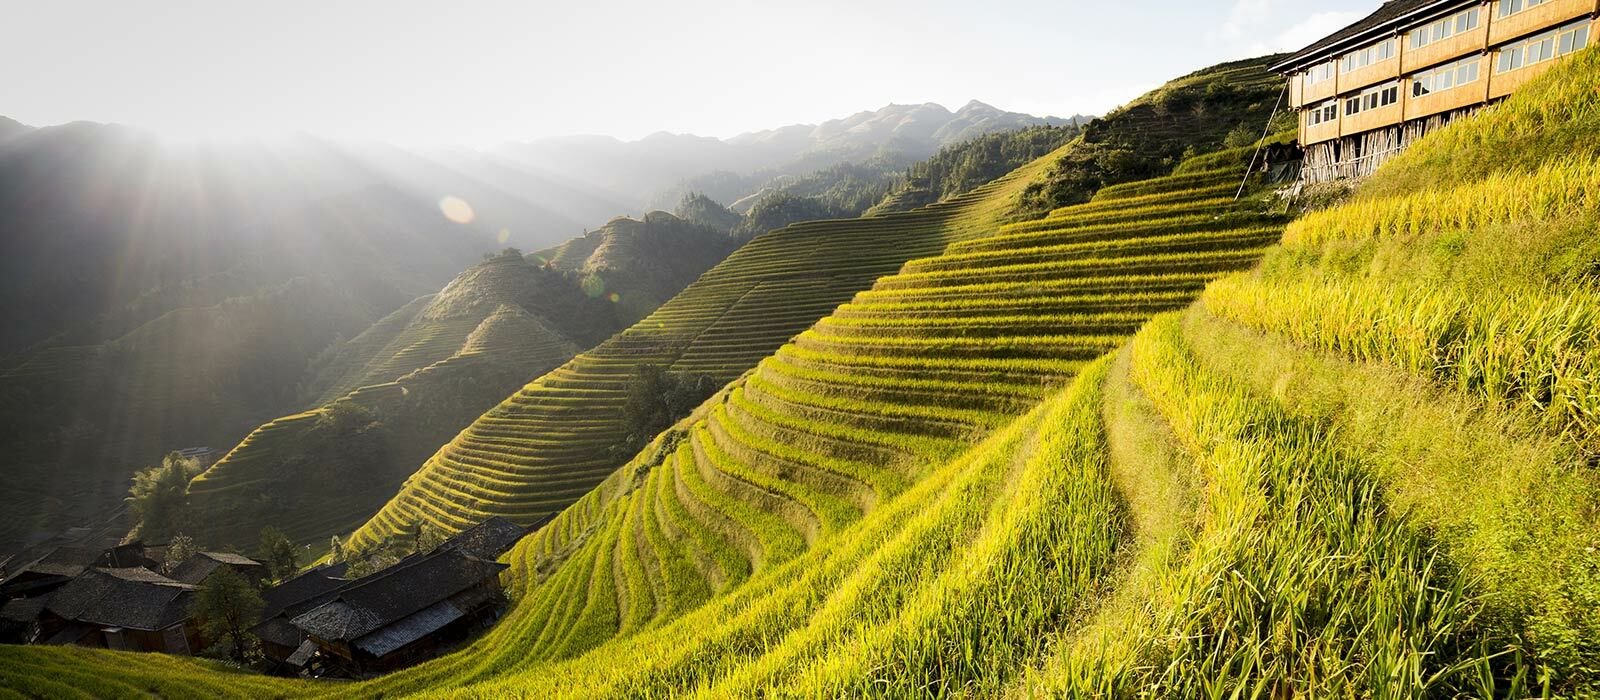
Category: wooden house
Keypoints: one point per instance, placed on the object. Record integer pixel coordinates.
(132, 609)
(280, 639)
(1368, 90)
(199, 566)
(404, 614)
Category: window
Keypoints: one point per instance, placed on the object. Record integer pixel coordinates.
(1377, 53)
(1459, 23)
(1372, 98)
(1543, 47)
(1445, 77)
(1511, 7)
(1319, 74)
(1323, 113)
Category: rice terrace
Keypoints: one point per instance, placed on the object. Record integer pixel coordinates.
(355, 373)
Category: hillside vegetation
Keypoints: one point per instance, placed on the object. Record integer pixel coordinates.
(389, 397)
(158, 296)
(557, 438)
(1359, 466)
(801, 476)
(1222, 106)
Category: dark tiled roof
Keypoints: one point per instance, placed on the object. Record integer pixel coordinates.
(1390, 16)
(302, 654)
(410, 628)
(278, 631)
(308, 586)
(134, 598)
(196, 568)
(488, 539)
(22, 610)
(382, 599)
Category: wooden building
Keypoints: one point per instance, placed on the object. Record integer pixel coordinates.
(200, 565)
(403, 614)
(321, 623)
(132, 609)
(289, 599)
(1367, 91)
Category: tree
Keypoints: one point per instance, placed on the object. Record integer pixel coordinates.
(227, 606)
(278, 553)
(159, 496)
(335, 549)
(656, 399)
(179, 549)
(426, 538)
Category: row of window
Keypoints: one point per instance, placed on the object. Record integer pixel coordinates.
(1461, 23)
(1323, 113)
(1377, 53)
(1445, 77)
(1372, 98)
(1511, 7)
(1536, 49)
(1319, 74)
(1439, 30)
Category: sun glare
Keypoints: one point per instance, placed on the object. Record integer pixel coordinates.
(456, 209)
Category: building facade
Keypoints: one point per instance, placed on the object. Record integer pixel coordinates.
(1366, 91)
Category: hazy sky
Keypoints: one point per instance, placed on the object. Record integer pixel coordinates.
(427, 72)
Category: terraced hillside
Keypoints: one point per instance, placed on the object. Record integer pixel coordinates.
(1362, 468)
(801, 474)
(388, 397)
(547, 446)
(554, 441)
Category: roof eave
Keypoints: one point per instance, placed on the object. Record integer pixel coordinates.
(1300, 60)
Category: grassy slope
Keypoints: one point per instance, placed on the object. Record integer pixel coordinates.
(417, 376)
(1287, 489)
(544, 448)
(549, 444)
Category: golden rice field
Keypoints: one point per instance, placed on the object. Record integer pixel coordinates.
(1027, 465)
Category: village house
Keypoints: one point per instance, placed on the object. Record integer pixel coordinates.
(199, 566)
(405, 613)
(1370, 89)
(396, 617)
(280, 639)
(132, 609)
(111, 598)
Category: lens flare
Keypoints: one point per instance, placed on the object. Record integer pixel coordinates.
(615, 297)
(456, 209)
(505, 235)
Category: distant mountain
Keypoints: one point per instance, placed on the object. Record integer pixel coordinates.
(640, 263)
(658, 170)
(10, 128)
(913, 131)
(158, 296)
